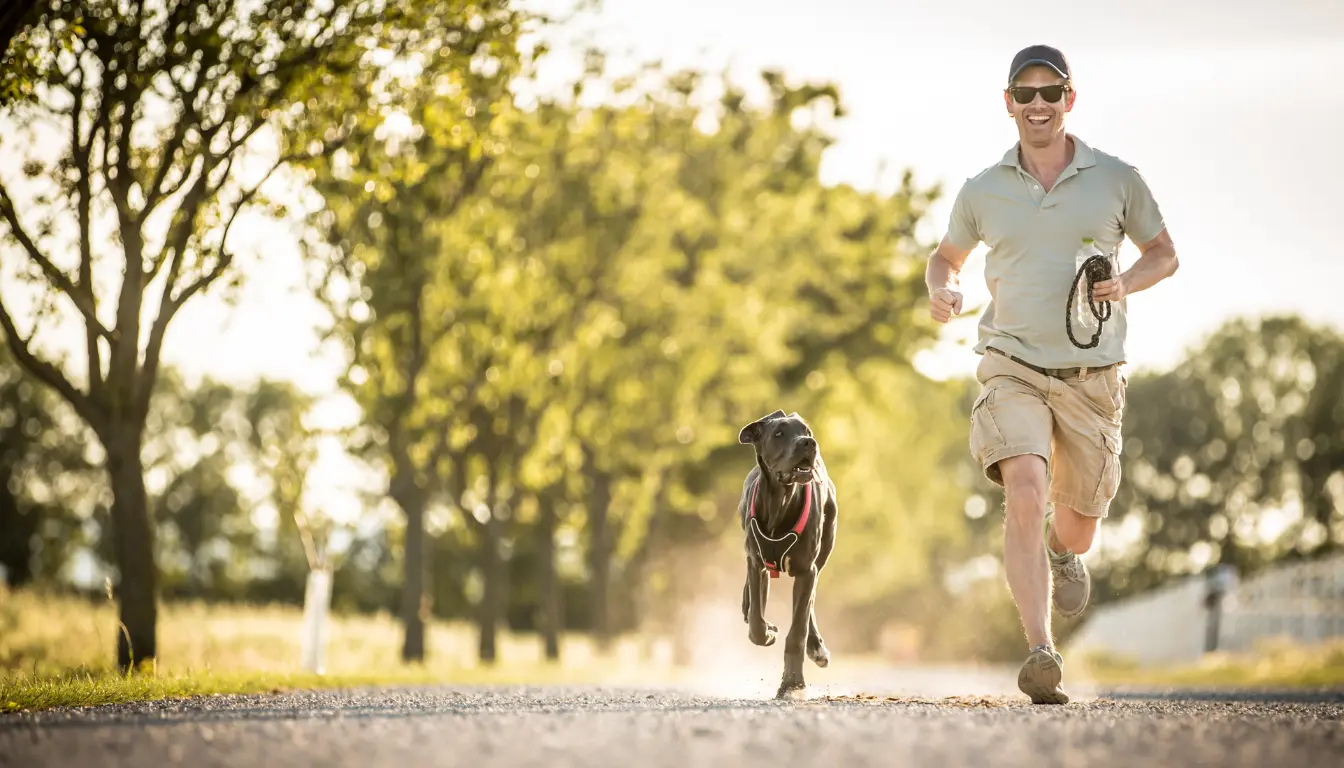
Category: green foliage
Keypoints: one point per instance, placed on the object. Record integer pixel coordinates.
(1234, 456)
(172, 116)
(559, 310)
(26, 49)
(48, 485)
(599, 304)
(200, 440)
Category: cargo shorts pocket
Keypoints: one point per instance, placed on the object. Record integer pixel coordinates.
(1118, 383)
(1105, 394)
(1108, 482)
(985, 435)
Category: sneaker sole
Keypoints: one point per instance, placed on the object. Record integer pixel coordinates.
(1040, 679)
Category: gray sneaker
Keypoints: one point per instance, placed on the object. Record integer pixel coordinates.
(1041, 675)
(1072, 582)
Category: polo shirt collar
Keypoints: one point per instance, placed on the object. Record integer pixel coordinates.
(1083, 156)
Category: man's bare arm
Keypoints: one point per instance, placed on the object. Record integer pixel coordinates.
(1157, 261)
(942, 276)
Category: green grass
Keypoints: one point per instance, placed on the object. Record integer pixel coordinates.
(1276, 664)
(56, 651)
(27, 693)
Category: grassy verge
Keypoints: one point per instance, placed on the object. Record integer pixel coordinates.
(28, 693)
(1271, 665)
(57, 651)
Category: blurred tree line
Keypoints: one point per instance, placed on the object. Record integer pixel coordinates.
(558, 309)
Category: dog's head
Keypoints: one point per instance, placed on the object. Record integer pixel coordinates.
(784, 446)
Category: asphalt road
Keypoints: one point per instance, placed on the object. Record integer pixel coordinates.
(919, 718)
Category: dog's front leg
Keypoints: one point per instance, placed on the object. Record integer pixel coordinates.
(795, 643)
(759, 631)
(816, 646)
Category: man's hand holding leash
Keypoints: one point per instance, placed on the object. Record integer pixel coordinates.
(1157, 261)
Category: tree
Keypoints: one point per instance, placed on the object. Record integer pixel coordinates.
(199, 438)
(393, 291)
(757, 286)
(1233, 456)
(586, 325)
(173, 115)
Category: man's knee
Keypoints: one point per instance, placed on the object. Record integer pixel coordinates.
(1024, 488)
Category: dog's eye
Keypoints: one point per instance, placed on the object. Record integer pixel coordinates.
(779, 433)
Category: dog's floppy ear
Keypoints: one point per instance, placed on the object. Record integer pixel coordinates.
(753, 431)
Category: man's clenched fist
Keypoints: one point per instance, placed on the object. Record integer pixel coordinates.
(944, 303)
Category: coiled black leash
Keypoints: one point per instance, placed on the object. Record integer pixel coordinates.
(1095, 269)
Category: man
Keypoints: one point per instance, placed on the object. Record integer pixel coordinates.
(1046, 426)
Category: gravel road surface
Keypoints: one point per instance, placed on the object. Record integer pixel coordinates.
(918, 719)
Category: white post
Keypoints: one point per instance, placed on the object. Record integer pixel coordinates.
(316, 605)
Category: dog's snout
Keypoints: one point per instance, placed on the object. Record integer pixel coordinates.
(808, 444)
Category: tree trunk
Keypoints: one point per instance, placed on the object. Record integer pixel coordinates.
(599, 555)
(415, 600)
(551, 616)
(133, 538)
(492, 571)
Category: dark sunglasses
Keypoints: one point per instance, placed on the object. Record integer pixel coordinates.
(1024, 94)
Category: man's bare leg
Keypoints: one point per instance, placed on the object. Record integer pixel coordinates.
(1069, 534)
(1024, 558)
(1072, 531)
(1028, 571)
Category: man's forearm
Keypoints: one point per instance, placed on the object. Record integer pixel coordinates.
(940, 273)
(1155, 265)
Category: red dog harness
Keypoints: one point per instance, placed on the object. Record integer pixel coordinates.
(781, 546)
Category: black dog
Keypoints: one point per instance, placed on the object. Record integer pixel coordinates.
(789, 517)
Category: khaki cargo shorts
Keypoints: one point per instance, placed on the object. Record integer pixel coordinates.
(1073, 424)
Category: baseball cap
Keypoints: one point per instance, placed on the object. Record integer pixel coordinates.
(1039, 54)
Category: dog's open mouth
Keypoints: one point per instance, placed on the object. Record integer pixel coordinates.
(802, 473)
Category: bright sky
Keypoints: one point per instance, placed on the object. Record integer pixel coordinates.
(1234, 116)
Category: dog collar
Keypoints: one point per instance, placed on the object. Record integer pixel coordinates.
(772, 565)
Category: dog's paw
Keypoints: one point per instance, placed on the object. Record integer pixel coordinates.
(792, 691)
(819, 654)
(766, 637)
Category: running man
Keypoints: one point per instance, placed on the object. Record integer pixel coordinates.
(1046, 425)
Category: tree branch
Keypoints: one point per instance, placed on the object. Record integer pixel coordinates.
(58, 278)
(190, 114)
(48, 373)
(154, 194)
(80, 155)
(170, 304)
(184, 224)
(179, 233)
(121, 183)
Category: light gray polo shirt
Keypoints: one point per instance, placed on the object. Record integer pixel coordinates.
(1033, 237)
